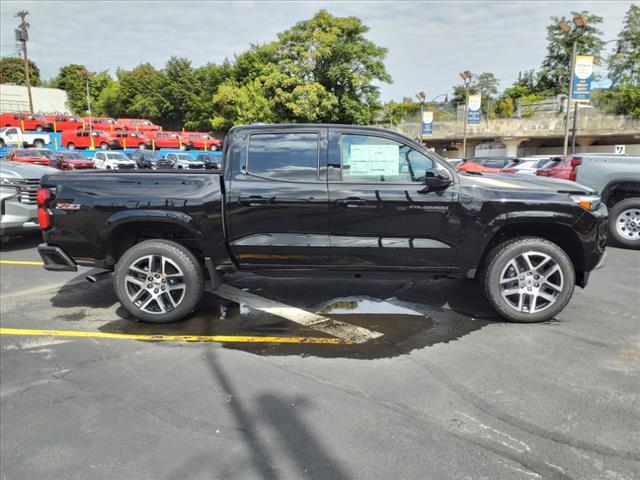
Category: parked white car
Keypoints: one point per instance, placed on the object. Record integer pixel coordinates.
(529, 165)
(14, 137)
(113, 161)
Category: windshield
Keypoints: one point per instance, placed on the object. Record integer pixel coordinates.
(117, 156)
(28, 153)
(185, 157)
(152, 156)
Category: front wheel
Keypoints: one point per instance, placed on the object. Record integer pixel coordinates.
(213, 148)
(104, 146)
(71, 146)
(39, 128)
(159, 281)
(142, 146)
(528, 279)
(624, 223)
(38, 143)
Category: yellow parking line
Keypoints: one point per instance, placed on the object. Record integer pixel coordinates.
(174, 338)
(21, 262)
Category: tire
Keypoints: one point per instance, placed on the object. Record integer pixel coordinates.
(182, 269)
(213, 148)
(551, 288)
(71, 146)
(104, 146)
(142, 146)
(1, 143)
(38, 143)
(39, 128)
(624, 223)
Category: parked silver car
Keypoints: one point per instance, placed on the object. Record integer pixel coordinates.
(18, 190)
(185, 161)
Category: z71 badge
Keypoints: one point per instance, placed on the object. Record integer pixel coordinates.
(68, 206)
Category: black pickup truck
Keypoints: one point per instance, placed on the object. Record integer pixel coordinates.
(304, 200)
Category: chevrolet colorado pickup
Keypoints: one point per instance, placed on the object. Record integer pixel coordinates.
(323, 199)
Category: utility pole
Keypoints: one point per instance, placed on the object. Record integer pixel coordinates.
(22, 35)
(580, 23)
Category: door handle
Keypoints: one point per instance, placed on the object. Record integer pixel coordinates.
(350, 202)
(253, 200)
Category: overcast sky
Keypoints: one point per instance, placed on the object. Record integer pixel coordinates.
(428, 42)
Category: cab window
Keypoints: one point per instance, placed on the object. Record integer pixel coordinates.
(372, 159)
(284, 156)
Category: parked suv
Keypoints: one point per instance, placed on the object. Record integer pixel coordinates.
(26, 121)
(113, 161)
(150, 159)
(18, 197)
(210, 160)
(185, 161)
(73, 139)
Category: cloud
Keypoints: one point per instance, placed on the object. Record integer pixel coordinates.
(428, 42)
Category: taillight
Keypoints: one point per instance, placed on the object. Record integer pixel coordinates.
(44, 197)
(509, 170)
(574, 163)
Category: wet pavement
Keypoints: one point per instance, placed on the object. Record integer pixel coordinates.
(447, 391)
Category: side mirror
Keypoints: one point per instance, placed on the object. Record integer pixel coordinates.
(436, 180)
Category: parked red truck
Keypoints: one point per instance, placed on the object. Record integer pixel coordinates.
(25, 121)
(105, 124)
(170, 140)
(204, 141)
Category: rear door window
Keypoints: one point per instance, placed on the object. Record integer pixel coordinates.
(290, 157)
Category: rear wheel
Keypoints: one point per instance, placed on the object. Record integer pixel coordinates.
(142, 146)
(159, 281)
(38, 143)
(214, 148)
(624, 223)
(1, 143)
(528, 279)
(39, 128)
(104, 146)
(71, 146)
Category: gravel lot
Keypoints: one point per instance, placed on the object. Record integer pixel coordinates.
(448, 392)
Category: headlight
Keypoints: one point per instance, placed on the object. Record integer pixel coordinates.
(588, 202)
(13, 182)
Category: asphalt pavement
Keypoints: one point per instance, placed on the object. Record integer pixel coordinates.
(446, 391)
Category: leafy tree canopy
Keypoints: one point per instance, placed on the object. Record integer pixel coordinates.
(12, 71)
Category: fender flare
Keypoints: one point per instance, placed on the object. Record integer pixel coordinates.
(149, 215)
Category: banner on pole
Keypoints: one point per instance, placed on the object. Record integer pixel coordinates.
(427, 123)
(473, 109)
(582, 74)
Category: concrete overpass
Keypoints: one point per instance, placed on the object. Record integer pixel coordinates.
(542, 134)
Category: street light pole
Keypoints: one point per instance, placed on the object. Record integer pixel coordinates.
(421, 96)
(466, 78)
(580, 23)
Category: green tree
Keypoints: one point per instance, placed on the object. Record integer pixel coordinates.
(320, 70)
(73, 79)
(556, 66)
(12, 71)
(485, 84)
(505, 107)
(134, 94)
(624, 100)
(625, 66)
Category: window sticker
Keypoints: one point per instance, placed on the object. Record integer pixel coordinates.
(374, 160)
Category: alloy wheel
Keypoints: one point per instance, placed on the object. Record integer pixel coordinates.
(155, 284)
(531, 282)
